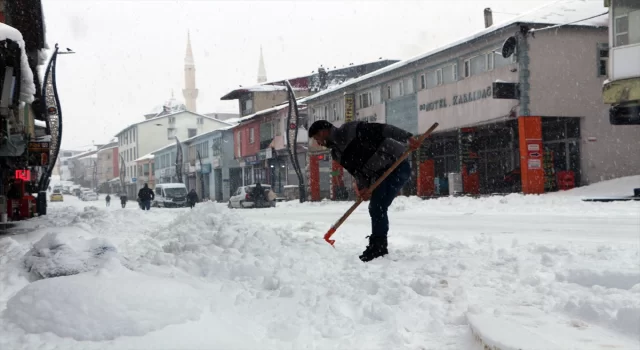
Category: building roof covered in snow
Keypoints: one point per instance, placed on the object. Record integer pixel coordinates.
(235, 94)
(168, 115)
(223, 116)
(164, 148)
(149, 156)
(84, 154)
(170, 106)
(270, 110)
(110, 145)
(569, 12)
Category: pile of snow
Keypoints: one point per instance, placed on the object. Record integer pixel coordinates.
(57, 254)
(236, 279)
(620, 187)
(27, 86)
(105, 304)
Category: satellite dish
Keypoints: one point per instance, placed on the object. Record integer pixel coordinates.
(509, 47)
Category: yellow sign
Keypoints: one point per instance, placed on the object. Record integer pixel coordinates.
(349, 100)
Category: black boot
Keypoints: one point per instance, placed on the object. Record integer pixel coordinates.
(377, 247)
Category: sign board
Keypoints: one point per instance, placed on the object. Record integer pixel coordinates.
(533, 147)
(535, 163)
(205, 169)
(349, 107)
(535, 155)
(24, 175)
(215, 162)
(456, 100)
(133, 180)
(39, 153)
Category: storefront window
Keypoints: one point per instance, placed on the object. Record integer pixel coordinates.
(626, 22)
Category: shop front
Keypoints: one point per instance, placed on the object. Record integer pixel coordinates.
(477, 138)
(277, 166)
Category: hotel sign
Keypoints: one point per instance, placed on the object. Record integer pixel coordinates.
(457, 100)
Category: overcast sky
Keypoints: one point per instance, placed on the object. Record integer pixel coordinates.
(130, 54)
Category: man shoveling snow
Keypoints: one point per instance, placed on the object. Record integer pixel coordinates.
(366, 151)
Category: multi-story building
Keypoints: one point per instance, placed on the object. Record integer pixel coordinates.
(622, 90)
(260, 137)
(524, 106)
(226, 172)
(214, 174)
(260, 146)
(108, 167)
(146, 136)
(83, 168)
(62, 164)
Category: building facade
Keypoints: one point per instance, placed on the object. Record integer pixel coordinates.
(535, 115)
(260, 142)
(261, 147)
(226, 171)
(83, 168)
(149, 135)
(108, 166)
(622, 90)
(62, 164)
(164, 160)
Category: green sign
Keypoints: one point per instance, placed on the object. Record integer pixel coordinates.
(457, 100)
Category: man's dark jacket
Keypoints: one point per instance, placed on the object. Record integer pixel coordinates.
(366, 150)
(146, 194)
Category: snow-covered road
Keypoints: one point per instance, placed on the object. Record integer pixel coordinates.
(215, 278)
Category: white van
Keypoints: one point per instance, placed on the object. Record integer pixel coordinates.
(170, 195)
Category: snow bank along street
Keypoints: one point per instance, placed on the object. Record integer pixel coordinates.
(560, 271)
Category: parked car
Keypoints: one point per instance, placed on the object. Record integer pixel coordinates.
(171, 195)
(90, 196)
(244, 198)
(56, 196)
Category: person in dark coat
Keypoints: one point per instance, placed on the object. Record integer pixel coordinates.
(146, 195)
(108, 199)
(192, 198)
(258, 195)
(123, 200)
(366, 151)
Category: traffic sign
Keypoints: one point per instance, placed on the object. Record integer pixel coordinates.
(133, 179)
(534, 155)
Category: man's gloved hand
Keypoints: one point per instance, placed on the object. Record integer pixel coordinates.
(362, 193)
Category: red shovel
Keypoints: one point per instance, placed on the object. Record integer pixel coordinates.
(332, 230)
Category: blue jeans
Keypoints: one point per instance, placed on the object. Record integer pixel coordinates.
(146, 204)
(383, 196)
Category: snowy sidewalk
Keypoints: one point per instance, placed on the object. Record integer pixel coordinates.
(214, 278)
